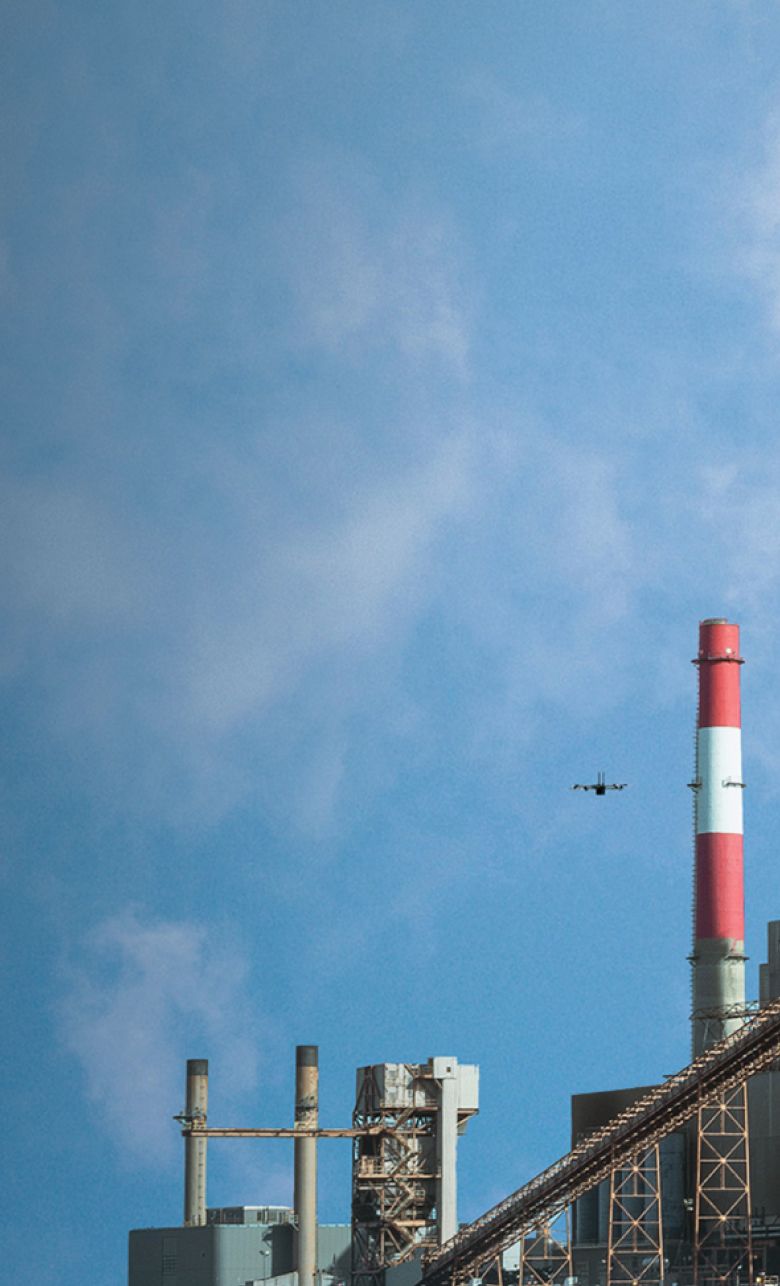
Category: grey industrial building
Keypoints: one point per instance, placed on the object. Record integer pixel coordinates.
(238, 1244)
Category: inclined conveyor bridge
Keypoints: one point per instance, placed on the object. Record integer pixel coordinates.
(724, 1066)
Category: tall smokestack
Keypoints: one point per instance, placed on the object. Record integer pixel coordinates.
(719, 917)
(194, 1147)
(305, 1161)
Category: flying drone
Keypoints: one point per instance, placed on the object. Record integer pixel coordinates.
(601, 785)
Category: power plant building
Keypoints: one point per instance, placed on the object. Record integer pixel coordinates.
(406, 1124)
(701, 1207)
(238, 1244)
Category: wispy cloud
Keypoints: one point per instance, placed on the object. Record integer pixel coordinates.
(189, 639)
(737, 514)
(166, 590)
(504, 120)
(143, 995)
(157, 643)
(759, 207)
(344, 583)
(369, 272)
(557, 560)
(744, 501)
(209, 614)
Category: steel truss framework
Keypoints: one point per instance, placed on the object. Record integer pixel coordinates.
(635, 1253)
(392, 1172)
(394, 1176)
(545, 1254)
(721, 1068)
(723, 1249)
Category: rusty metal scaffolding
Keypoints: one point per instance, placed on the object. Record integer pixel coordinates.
(394, 1169)
(723, 1251)
(635, 1252)
(545, 1254)
(721, 1068)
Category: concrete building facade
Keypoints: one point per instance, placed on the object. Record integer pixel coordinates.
(238, 1246)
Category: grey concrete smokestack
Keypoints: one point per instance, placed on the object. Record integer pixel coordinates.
(305, 1185)
(194, 1148)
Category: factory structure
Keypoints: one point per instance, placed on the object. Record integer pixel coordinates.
(405, 1128)
(670, 1185)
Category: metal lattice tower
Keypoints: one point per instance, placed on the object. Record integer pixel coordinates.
(723, 1243)
(635, 1254)
(545, 1254)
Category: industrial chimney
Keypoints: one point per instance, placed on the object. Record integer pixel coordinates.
(305, 1162)
(194, 1147)
(718, 957)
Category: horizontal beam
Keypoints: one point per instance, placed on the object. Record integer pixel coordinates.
(220, 1132)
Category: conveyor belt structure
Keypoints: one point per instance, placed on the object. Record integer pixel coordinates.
(751, 1049)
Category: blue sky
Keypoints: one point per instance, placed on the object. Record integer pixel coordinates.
(389, 388)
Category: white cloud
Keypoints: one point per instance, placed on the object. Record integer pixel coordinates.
(741, 506)
(226, 606)
(164, 589)
(147, 994)
(209, 615)
(367, 273)
(270, 621)
(505, 121)
(287, 602)
(738, 509)
(760, 207)
(590, 542)
(555, 569)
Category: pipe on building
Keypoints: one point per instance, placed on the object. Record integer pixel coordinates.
(305, 1180)
(718, 957)
(196, 1108)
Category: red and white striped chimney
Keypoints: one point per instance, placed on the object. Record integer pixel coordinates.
(719, 900)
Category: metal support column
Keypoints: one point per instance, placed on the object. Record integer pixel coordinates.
(636, 1239)
(545, 1254)
(723, 1251)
